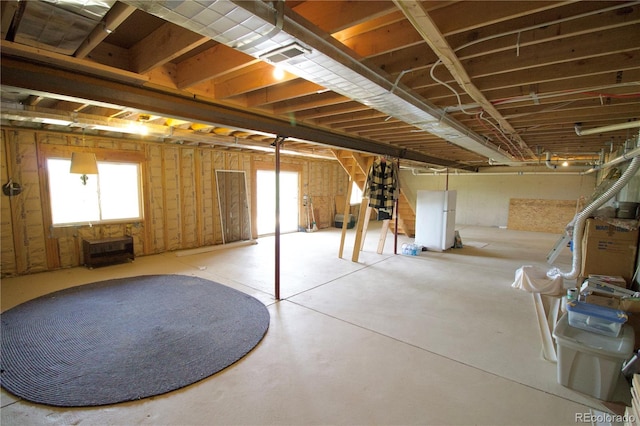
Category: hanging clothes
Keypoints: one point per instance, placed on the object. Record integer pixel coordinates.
(382, 187)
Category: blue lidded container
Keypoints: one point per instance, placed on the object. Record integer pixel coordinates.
(595, 318)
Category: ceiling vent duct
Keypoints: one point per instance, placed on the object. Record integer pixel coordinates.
(257, 29)
(283, 54)
(56, 25)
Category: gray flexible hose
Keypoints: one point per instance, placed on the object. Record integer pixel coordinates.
(581, 218)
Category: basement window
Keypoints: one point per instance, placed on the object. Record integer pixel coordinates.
(356, 195)
(113, 195)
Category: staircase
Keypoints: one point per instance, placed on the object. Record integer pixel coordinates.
(406, 216)
(357, 167)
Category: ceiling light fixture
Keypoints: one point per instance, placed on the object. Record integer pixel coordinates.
(278, 73)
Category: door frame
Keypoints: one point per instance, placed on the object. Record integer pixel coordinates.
(268, 166)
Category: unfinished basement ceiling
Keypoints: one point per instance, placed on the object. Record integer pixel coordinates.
(461, 84)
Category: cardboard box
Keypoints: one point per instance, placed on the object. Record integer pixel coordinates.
(609, 250)
(606, 301)
(632, 307)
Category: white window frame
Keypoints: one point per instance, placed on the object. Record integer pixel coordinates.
(95, 202)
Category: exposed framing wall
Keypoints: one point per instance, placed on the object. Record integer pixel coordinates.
(180, 197)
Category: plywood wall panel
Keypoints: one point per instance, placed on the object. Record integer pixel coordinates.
(540, 215)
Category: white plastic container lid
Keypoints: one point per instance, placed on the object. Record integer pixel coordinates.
(620, 347)
(609, 314)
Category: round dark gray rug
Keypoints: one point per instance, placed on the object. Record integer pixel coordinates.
(125, 339)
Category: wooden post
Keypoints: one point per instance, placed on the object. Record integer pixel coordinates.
(365, 226)
(347, 205)
(360, 228)
(383, 235)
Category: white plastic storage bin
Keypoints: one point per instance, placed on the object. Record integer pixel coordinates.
(595, 318)
(591, 363)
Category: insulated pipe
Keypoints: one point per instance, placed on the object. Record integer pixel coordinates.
(627, 156)
(611, 128)
(580, 219)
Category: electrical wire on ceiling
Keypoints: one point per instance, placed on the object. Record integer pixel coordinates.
(547, 24)
(518, 32)
(548, 109)
(513, 147)
(550, 95)
(457, 95)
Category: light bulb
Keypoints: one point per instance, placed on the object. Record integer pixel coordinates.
(278, 73)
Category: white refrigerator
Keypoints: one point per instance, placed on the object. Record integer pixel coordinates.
(436, 219)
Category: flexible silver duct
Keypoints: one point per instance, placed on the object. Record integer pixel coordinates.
(580, 219)
(258, 29)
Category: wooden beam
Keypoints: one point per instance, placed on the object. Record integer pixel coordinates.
(331, 110)
(390, 38)
(163, 45)
(618, 40)
(112, 20)
(7, 12)
(282, 92)
(472, 15)
(210, 64)
(349, 116)
(423, 23)
(73, 64)
(260, 76)
(342, 14)
(310, 102)
(521, 40)
(183, 106)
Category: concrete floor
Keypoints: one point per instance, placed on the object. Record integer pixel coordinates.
(436, 339)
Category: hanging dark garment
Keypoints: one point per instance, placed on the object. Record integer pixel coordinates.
(382, 186)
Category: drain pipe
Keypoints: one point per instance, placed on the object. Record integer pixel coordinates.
(610, 128)
(624, 157)
(580, 219)
(548, 162)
